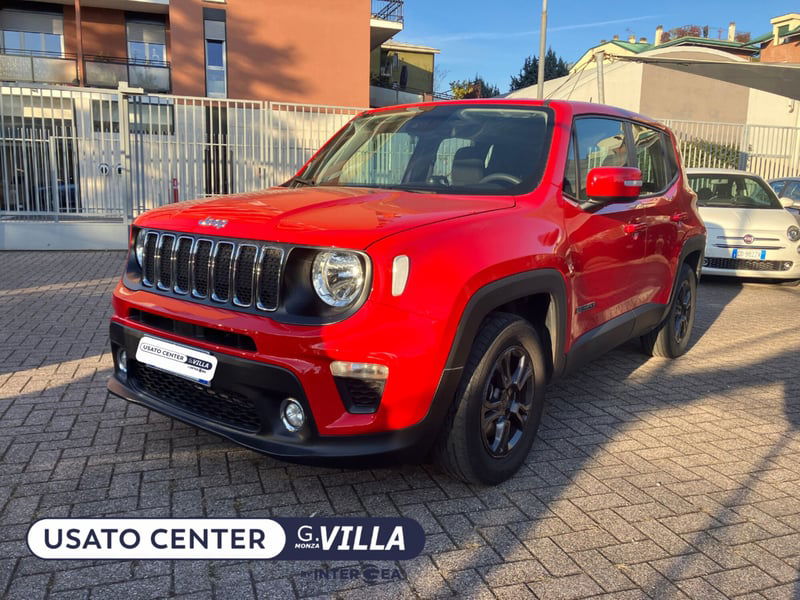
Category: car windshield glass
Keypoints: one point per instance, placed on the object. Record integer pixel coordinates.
(732, 191)
(458, 149)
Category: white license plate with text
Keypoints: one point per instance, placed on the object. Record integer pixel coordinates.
(750, 254)
(185, 362)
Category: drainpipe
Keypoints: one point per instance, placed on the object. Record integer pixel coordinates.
(79, 39)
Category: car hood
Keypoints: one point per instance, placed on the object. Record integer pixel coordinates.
(317, 216)
(741, 221)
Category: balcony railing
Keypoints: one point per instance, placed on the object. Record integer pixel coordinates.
(388, 10)
(99, 71)
(108, 72)
(38, 67)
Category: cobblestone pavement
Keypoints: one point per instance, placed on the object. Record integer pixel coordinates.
(649, 478)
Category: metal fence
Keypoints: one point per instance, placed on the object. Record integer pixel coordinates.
(77, 154)
(768, 150)
(86, 154)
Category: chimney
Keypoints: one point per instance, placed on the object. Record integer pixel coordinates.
(602, 41)
(658, 36)
(616, 37)
(732, 31)
(642, 40)
(632, 39)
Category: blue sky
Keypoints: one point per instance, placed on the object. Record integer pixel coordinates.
(493, 38)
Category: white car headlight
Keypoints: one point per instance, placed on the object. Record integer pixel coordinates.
(338, 277)
(139, 246)
(793, 233)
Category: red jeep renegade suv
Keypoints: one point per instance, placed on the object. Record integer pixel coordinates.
(411, 291)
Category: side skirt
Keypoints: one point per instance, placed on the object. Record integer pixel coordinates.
(614, 333)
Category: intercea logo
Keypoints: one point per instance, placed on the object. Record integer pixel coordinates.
(367, 573)
(216, 223)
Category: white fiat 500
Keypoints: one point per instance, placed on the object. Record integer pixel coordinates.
(750, 232)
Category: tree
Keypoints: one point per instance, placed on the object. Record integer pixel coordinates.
(683, 31)
(439, 77)
(554, 67)
(473, 88)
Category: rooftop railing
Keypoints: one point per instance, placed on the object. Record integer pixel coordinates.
(388, 10)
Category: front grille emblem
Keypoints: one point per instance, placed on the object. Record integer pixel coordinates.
(748, 239)
(216, 223)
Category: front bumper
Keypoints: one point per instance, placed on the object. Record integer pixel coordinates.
(242, 404)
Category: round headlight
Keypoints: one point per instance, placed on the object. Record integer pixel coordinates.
(793, 233)
(338, 277)
(139, 246)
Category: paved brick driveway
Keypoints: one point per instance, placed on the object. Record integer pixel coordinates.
(668, 479)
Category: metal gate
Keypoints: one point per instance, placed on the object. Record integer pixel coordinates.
(59, 157)
(86, 155)
(768, 150)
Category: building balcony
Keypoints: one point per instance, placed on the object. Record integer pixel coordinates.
(38, 67)
(386, 21)
(108, 72)
(99, 71)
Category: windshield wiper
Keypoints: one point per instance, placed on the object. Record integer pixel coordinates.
(302, 181)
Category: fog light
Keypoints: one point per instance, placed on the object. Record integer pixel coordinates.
(787, 265)
(122, 360)
(292, 414)
(705, 262)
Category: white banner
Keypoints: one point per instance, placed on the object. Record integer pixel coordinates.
(125, 539)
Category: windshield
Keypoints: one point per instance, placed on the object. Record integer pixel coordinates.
(732, 191)
(458, 149)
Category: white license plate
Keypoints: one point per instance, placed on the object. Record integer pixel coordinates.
(750, 254)
(189, 363)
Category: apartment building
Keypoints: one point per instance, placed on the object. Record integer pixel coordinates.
(283, 50)
(401, 73)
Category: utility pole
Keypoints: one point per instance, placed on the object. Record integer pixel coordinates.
(542, 50)
(600, 58)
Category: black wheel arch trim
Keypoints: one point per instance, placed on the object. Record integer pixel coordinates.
(696, 243)
(508, 289)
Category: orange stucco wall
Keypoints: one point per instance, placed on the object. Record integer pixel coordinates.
(783, 53)
(283, 50)
(103, 31)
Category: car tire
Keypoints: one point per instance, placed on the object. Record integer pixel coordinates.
(671, 338)
(494, 418)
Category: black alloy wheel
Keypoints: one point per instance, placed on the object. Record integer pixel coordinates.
(508, 398)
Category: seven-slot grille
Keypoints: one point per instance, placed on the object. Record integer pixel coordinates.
(244, 274)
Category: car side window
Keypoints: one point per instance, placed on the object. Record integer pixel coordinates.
(778, 186)
(600, 143)
(650, 158)
(671, 156)
(571, 186)
(791, 191)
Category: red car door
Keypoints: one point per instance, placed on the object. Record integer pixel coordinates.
(666, 206)
(607, 244)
